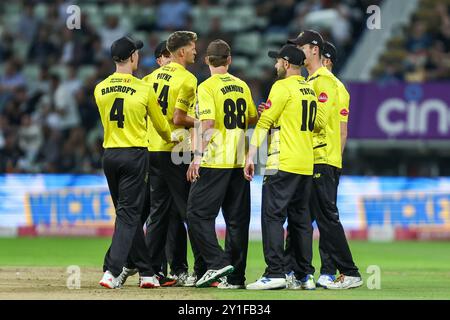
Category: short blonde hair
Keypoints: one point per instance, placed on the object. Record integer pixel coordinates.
(180, 39)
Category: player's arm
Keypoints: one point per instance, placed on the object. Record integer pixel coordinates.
(253, 120)
(326, 92)
(180, 118)
(343, 115)
(97, 95)
(252, 113)
(205, 133)
(278, 96)
(343, 135)
(185, 99)
(203, 129)
(158, 120)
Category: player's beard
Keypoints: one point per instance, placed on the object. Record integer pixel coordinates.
(281, 73)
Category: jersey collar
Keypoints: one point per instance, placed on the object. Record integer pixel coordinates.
(128, 75)
(177, 64)
(220, 74)
(317, 73)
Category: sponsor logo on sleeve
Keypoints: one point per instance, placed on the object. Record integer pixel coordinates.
(344, 112)
(183, 101)
(206, 111)
(323, 97)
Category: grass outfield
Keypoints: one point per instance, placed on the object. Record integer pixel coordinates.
(409, 270)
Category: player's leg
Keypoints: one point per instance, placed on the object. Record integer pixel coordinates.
(132, 165)
(139, 255)
(158, 220)
(130, 268)
(289, 257)
(205, 198)
(179, 188)
(328, 269)
(236, 212)
(111, 175)
(277, 192)
(300, 235)
(325, 186)
(176, 246)
(327, 266)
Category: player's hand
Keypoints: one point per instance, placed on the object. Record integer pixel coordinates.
(264, 106)
(249, 170)
(178, 135)
(261, 108)
(193, 172)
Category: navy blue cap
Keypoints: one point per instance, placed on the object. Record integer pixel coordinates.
(123, 48)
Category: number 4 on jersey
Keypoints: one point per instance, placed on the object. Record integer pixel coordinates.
(163, 98)
(116, 113)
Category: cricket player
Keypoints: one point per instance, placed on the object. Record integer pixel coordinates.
(176, 243)
(124, 103)
(328, 149)
(329, 56)
(225, 109)
(176, 246)
(285, 194)
(175, 88)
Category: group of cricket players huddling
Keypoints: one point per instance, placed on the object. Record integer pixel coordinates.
(176, 154)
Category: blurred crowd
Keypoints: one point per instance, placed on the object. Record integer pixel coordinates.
(48, 119)
(422, 50)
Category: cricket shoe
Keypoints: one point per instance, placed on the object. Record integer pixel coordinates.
(345, 282)
(215, 284)
(213, 275)
(181, 278)
(190, 281)
(149, 282)
(325, 280)
(265, 283)
(165, 281)
(126, 272)
(308, 282)
(291, 282)
(224, 284)
(108, 281)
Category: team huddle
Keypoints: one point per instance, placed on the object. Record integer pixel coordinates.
(176, 154)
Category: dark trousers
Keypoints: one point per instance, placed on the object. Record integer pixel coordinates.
(175, 253)
(333, 245)
(226, 189)
(176, 245)
(169, 190)
(303, 266)
(126, 171)
(286, 195)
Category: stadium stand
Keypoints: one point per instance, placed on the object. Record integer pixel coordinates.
(48, 119)
(419, 51)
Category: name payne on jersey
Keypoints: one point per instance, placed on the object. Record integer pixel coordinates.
(164, 76)
(118, 88)
(195, 310)
(232, 88)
